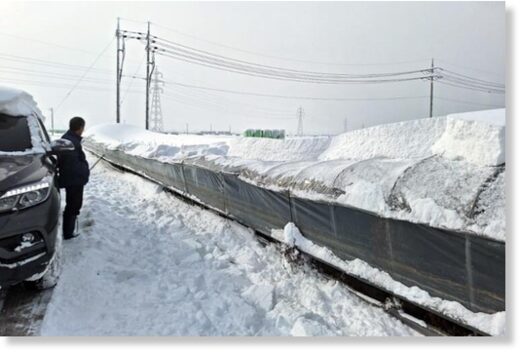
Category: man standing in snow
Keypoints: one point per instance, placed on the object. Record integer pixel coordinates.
(73, 175)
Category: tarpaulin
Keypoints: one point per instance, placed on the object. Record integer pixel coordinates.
(449, 264)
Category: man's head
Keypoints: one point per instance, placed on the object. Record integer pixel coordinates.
(77, 125)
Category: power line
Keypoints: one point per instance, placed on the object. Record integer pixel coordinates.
(133, 77)
(469, 87)
(258, 94)
(47, 43)
(465, 67)
(84, 74)
(284, 58)
(476, 80)
(284, 78)
(59, 85)
(468, 102)
(471, 83)
(48, 74)
(32, 61)
(209, 55)
(219, 99)
(289, 75)
(229, 107)
(211, 107)
(201, 57)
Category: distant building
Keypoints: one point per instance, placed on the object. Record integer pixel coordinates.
(273, 134)
(212, 132)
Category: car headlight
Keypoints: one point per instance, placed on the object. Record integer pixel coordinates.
(26, 196)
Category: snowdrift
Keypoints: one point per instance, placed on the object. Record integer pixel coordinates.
(446, 172)
(16, 102)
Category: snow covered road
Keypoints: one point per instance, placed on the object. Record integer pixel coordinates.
(149, 264)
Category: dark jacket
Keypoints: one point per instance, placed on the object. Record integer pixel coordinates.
(73, 166)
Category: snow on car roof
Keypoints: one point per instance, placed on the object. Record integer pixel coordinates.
(17, 102)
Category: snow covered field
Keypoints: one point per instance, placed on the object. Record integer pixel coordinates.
(149, 264)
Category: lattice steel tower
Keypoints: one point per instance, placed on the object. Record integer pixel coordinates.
(299, 113)
(155, 109)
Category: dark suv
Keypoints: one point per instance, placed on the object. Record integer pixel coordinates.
(29, 202)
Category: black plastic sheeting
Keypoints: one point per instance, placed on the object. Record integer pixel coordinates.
(448, 264)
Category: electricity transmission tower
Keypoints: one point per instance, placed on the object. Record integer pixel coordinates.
(156, 109)
(299, 112)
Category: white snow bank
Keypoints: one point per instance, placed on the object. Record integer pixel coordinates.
(137, 141)
(289, 149)
(407, 139)
(426, 171)
(478, 137)
(494, 324)
(16, 102)
(490, 117)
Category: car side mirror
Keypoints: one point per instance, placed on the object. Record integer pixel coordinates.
(61, 145)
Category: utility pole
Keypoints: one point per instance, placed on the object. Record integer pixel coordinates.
(148, 77)
(156, 109)
(118, 74)
(431, 90)
(345, 127)
(52, 120)
(187, 129)
(299, 113)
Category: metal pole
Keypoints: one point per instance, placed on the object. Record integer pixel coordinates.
(52, 120)
(147, 77)
(118, 76)
(431, 90)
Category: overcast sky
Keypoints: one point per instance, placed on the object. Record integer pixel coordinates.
(37, 39)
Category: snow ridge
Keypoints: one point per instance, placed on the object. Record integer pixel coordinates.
(427, 171)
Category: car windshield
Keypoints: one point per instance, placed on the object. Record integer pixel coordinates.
(14, 134)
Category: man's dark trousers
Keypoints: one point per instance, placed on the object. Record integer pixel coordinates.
(73, 175)
(74, 201)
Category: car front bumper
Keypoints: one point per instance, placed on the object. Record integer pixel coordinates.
(19, 261)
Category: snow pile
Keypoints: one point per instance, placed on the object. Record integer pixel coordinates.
(137, 141)
(494, 324)
(289, 149)
(432, 171)
(407, 139)
(478, 137)
(16, 102)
